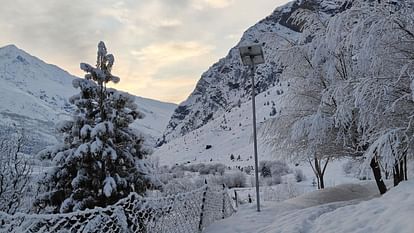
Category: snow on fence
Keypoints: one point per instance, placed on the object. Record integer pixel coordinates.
(186, 212)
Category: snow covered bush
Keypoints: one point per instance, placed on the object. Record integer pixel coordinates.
(273, 168)
(235, 179)
(220, 168)
(279, 168)
(165, 174)
(248, 170)
(273, 180)
(182, 185)
(177, 171)
(354, 168)
(101, 159)
(204, 169)
(229, 179)
(282, 192)
(299, 176)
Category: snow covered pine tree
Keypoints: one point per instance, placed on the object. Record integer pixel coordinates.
(101, 159)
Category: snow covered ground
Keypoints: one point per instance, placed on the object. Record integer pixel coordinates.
(228, 133)
(342, 209)
(334, 175)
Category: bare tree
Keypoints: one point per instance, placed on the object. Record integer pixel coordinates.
(15, 172)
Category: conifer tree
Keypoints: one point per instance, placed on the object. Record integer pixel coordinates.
(101, 159)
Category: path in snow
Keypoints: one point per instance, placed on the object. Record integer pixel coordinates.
(297, 214)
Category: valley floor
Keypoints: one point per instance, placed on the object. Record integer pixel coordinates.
(344, 208)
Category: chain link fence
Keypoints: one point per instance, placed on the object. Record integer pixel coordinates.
(187, 212)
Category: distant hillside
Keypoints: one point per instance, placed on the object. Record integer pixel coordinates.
(34, 96)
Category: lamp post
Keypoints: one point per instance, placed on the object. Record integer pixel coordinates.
(251, 56)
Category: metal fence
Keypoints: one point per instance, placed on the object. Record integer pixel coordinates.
(185, 212)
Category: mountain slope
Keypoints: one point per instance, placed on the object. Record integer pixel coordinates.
(226, 83)
(312, 59)
(218, 112)
(227, 135)
(34, 96)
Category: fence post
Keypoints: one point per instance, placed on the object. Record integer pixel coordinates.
(235, 198)
(224, 202)
(200, 226)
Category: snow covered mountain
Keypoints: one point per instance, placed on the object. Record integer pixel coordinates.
(226, 85)
(305, 38)
(34, 96)
(229, 134)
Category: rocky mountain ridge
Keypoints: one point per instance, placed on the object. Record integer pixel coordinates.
(226, 84)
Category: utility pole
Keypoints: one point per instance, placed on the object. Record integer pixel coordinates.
(251, 56)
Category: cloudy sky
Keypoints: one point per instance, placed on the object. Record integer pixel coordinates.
(161, 47)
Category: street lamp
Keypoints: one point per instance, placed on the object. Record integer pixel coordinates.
(251, 56)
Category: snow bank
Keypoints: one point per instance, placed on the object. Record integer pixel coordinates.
(340, 209)
(343, 192)
(391, 213)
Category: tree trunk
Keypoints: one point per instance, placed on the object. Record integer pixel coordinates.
(314, 166)
(318, 172)
(405, 167)
(321, 181)
(399, 172)
(322, 172)
(387, 173)
(377, 174)
(402, 171)
(396, 174)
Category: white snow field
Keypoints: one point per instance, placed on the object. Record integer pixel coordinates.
(356, 208)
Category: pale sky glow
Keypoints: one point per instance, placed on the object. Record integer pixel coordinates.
(161, 47)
